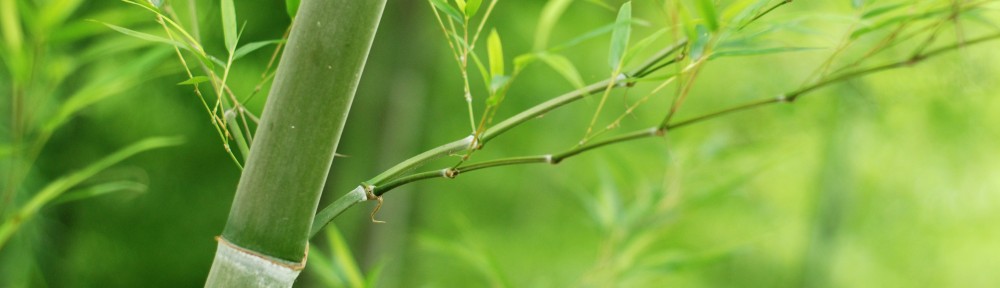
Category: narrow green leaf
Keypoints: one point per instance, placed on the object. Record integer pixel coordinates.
(250, 47)
(61, 185)
(882, 10)
(344, 259)
(10, 24)
(194, 80)
(642, 44)
(461, 5)
(584, 37)
(472, 7)
(522, 61)
(564, 67)
(99, 190)
(323, 268)
(140, 35)
(707, 10)
(292, 7)
(494, 49)
(229, 24)
(371, 281)
(760, 51)
(448, 9)
(551, 13)
(620, 35)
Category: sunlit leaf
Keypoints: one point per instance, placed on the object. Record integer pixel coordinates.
(229, 24)
(472, 7)
(620, 35)
(343, 258)
(875, 12)
(494, 49)
(707, 10)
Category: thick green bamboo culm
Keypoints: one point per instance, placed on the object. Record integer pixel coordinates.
(265, 240)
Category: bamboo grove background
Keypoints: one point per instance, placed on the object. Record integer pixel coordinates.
(887, 181)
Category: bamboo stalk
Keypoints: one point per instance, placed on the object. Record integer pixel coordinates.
(265, 240)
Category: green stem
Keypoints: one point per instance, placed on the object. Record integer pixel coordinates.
(639, 134)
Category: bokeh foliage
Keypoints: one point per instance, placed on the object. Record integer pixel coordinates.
(885, 181)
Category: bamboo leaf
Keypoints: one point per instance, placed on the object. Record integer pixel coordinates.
(250, 47)
(229, 25)
(882, 10)
(551, 13)
(448, 9)
(141, 35)
(707, 10)
(461, 5)
(472, 7)
(194, 80)
(760, 51)
(642, 44)
(564, 67)
(857, 3)
(494, 49)
(61, 185)
(620, 35)
(344, 259)
(292, 7)
(99, 190)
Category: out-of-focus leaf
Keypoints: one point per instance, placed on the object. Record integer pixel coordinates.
(551, 13)
(737, 12)
(857, 3)
(522, 61)
(498, 90)
(760, 51)
(292, 7)
(461, 4)
(620, 35)
(898, 20)
(10, 25)
(343, 258)
(98, 190)
(101, 88)
(700, 41)
(61, 185)
(143, 36)
(494, 49)
(371, 281)
(875, 12)
(323, 268)
(642, 44)
(253, 46)
(564, 67)
(5, 150)
(448, 9)
(472, 7)
(229, 25)
(194, 80)
(584, 37)
(707, 10)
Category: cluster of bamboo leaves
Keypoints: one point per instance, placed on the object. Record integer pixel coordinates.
(906, 32)
(54, 67)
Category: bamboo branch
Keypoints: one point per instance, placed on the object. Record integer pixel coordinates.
(331, 211)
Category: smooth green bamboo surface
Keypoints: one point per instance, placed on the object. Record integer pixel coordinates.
(319, 71)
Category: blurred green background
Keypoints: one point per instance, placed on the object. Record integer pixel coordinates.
(885, 181)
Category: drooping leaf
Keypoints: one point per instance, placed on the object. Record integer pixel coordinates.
(194, 80)
(551, 13)
(472, 7)
(143, 36)
(620, 35)
(494, 49)
(250, 47)
(99, 190)
(64, 183)
(229, 24)
(707, 10)
(448, 9)
(292, 7)
(564, 67)
(760, 51)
